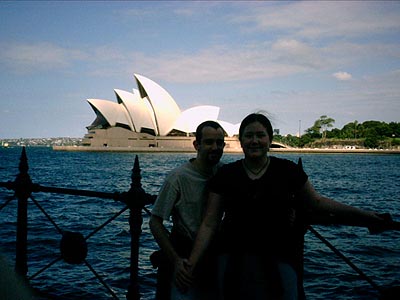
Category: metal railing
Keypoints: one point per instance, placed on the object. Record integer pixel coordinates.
(73, 244)
(73, 247)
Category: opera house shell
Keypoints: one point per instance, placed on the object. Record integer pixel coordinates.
(148, 118)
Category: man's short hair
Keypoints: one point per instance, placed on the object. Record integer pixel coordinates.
(199, 130)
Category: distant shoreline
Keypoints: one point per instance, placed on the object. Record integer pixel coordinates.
(226, 150)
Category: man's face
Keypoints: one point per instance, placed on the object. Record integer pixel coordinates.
(211, 146)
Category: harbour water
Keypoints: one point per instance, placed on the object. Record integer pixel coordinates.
(369, 181)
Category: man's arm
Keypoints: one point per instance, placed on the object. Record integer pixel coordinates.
(161, 236)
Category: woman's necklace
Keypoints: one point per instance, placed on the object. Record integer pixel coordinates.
(256, 173)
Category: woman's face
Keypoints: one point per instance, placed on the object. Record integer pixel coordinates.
(255, 140)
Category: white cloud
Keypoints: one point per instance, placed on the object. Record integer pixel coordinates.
(220, 64)
(342, 76)
(313, 19)
(26, 57)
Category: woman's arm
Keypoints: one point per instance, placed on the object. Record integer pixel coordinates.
(324, 209)
(207, 229)
(184, 277)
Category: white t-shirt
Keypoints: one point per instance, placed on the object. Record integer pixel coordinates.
(183, 196)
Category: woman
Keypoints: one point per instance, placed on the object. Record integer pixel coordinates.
(260, 202)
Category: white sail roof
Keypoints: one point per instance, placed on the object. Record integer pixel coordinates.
(165, 109)
(230, 129)
(192, 117)
(139, 110)
(112, 112)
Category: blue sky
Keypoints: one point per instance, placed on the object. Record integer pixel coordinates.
(295, 60)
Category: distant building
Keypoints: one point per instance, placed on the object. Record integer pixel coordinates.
(149, 117)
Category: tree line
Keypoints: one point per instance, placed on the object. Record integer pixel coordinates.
(369, 134)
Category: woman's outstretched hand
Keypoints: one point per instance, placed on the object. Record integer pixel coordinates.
(386, 223)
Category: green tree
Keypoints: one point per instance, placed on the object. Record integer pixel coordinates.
(334, 134)
(395, 129)
(320, 126)
(305, 139)
(371, 137)
(325, 123)
(350, 130)
(377, 128)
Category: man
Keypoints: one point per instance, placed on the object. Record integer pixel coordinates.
(183, 196)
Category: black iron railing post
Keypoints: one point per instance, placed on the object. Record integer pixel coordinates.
(23, 190)
(136, 200)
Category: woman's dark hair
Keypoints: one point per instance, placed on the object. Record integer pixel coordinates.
(199, 129)
(256, 117)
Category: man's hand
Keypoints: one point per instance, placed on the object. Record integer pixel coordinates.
(183, 274)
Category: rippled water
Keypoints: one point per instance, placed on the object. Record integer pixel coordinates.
(368, 181)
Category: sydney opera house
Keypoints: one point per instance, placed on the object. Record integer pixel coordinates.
(148, 118)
